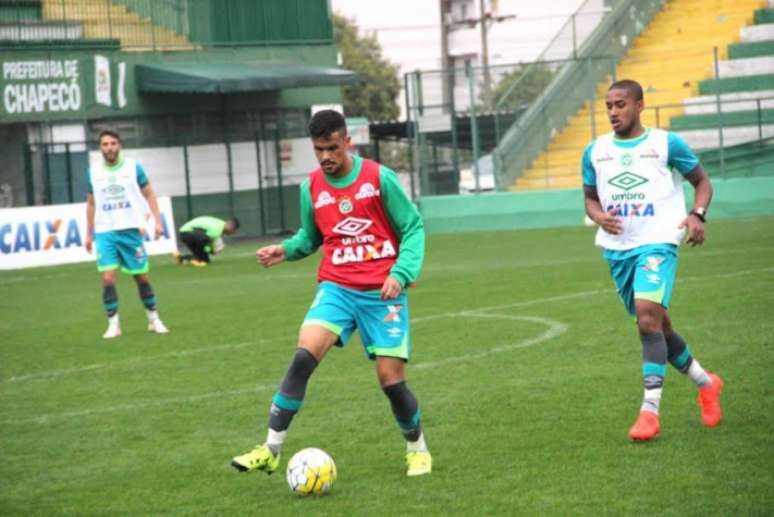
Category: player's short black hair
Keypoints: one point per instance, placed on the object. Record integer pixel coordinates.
(326, 122)
(108, 132)
(633, 87)
(235, 222)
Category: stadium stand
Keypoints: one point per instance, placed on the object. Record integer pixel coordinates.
(673, 59)
(132, 24)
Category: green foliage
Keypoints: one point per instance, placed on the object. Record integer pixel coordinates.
(375, 95)
(518, 424)
(530, 79)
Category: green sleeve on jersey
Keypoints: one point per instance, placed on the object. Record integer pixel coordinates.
(407, 223)
(142, 179)
(308, 238)
(679, 155)
(212, 226)
(587, 168)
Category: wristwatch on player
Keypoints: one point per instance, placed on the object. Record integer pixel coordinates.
(701, 213)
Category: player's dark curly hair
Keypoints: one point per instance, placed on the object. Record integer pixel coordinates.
(326, 122)
(633, 87)
(235, 222)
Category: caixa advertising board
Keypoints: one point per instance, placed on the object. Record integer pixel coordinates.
(55, 234)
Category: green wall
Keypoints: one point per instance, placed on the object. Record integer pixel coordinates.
(556, 208)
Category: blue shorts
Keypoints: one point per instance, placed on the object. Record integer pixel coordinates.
(121, 248)
(383, 324)
(649, 275)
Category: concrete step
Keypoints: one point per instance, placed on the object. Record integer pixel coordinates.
(710, 138)
(754, 33)
(746, 67)
(737, 101)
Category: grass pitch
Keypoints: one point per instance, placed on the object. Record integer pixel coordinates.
(525, 363)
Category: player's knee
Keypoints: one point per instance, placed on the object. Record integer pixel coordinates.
(650, 318)
(301, 368)
(647, 323)
(390, 372)
(317, 340)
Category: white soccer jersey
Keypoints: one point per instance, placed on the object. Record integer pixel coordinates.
(118, 200)
(637, 177)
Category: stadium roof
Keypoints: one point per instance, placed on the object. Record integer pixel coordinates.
(220, 78)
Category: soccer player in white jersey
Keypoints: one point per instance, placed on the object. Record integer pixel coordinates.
(115, 212)
(633, 189)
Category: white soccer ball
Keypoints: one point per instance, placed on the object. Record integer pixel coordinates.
(311, 471)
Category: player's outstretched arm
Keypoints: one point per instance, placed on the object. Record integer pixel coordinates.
(270, 256)
(607, 220)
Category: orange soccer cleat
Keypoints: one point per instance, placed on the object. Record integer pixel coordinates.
(709, 401)
(645, 428)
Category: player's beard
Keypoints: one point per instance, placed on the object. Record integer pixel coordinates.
(110, 156)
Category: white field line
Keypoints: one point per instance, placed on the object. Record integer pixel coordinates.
(472, 312)
(555, 328)
(44, 419)
(132, 361)
(525, 303)
(144, 359)
(429, 269)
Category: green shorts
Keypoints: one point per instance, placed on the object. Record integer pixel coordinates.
(383, 324)
(646, 274)
(121, 248)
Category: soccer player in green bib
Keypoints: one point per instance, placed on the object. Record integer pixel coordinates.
(633, 188)
(372, 240)
(115, 212)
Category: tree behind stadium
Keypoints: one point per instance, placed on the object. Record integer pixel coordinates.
(375, 95)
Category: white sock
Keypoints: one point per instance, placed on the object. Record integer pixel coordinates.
(275, 439)
(152, 315)
(113, 320)
(698, 375)
(651, 401)
(417, 446)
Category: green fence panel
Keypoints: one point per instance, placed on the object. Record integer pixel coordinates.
(560, 208)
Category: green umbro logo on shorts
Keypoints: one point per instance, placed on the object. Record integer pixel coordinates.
(627, 180)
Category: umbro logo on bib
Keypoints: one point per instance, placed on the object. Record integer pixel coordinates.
(627, 181)
(352, 226)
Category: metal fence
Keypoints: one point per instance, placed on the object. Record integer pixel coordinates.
(525, 126)
(246, 179)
